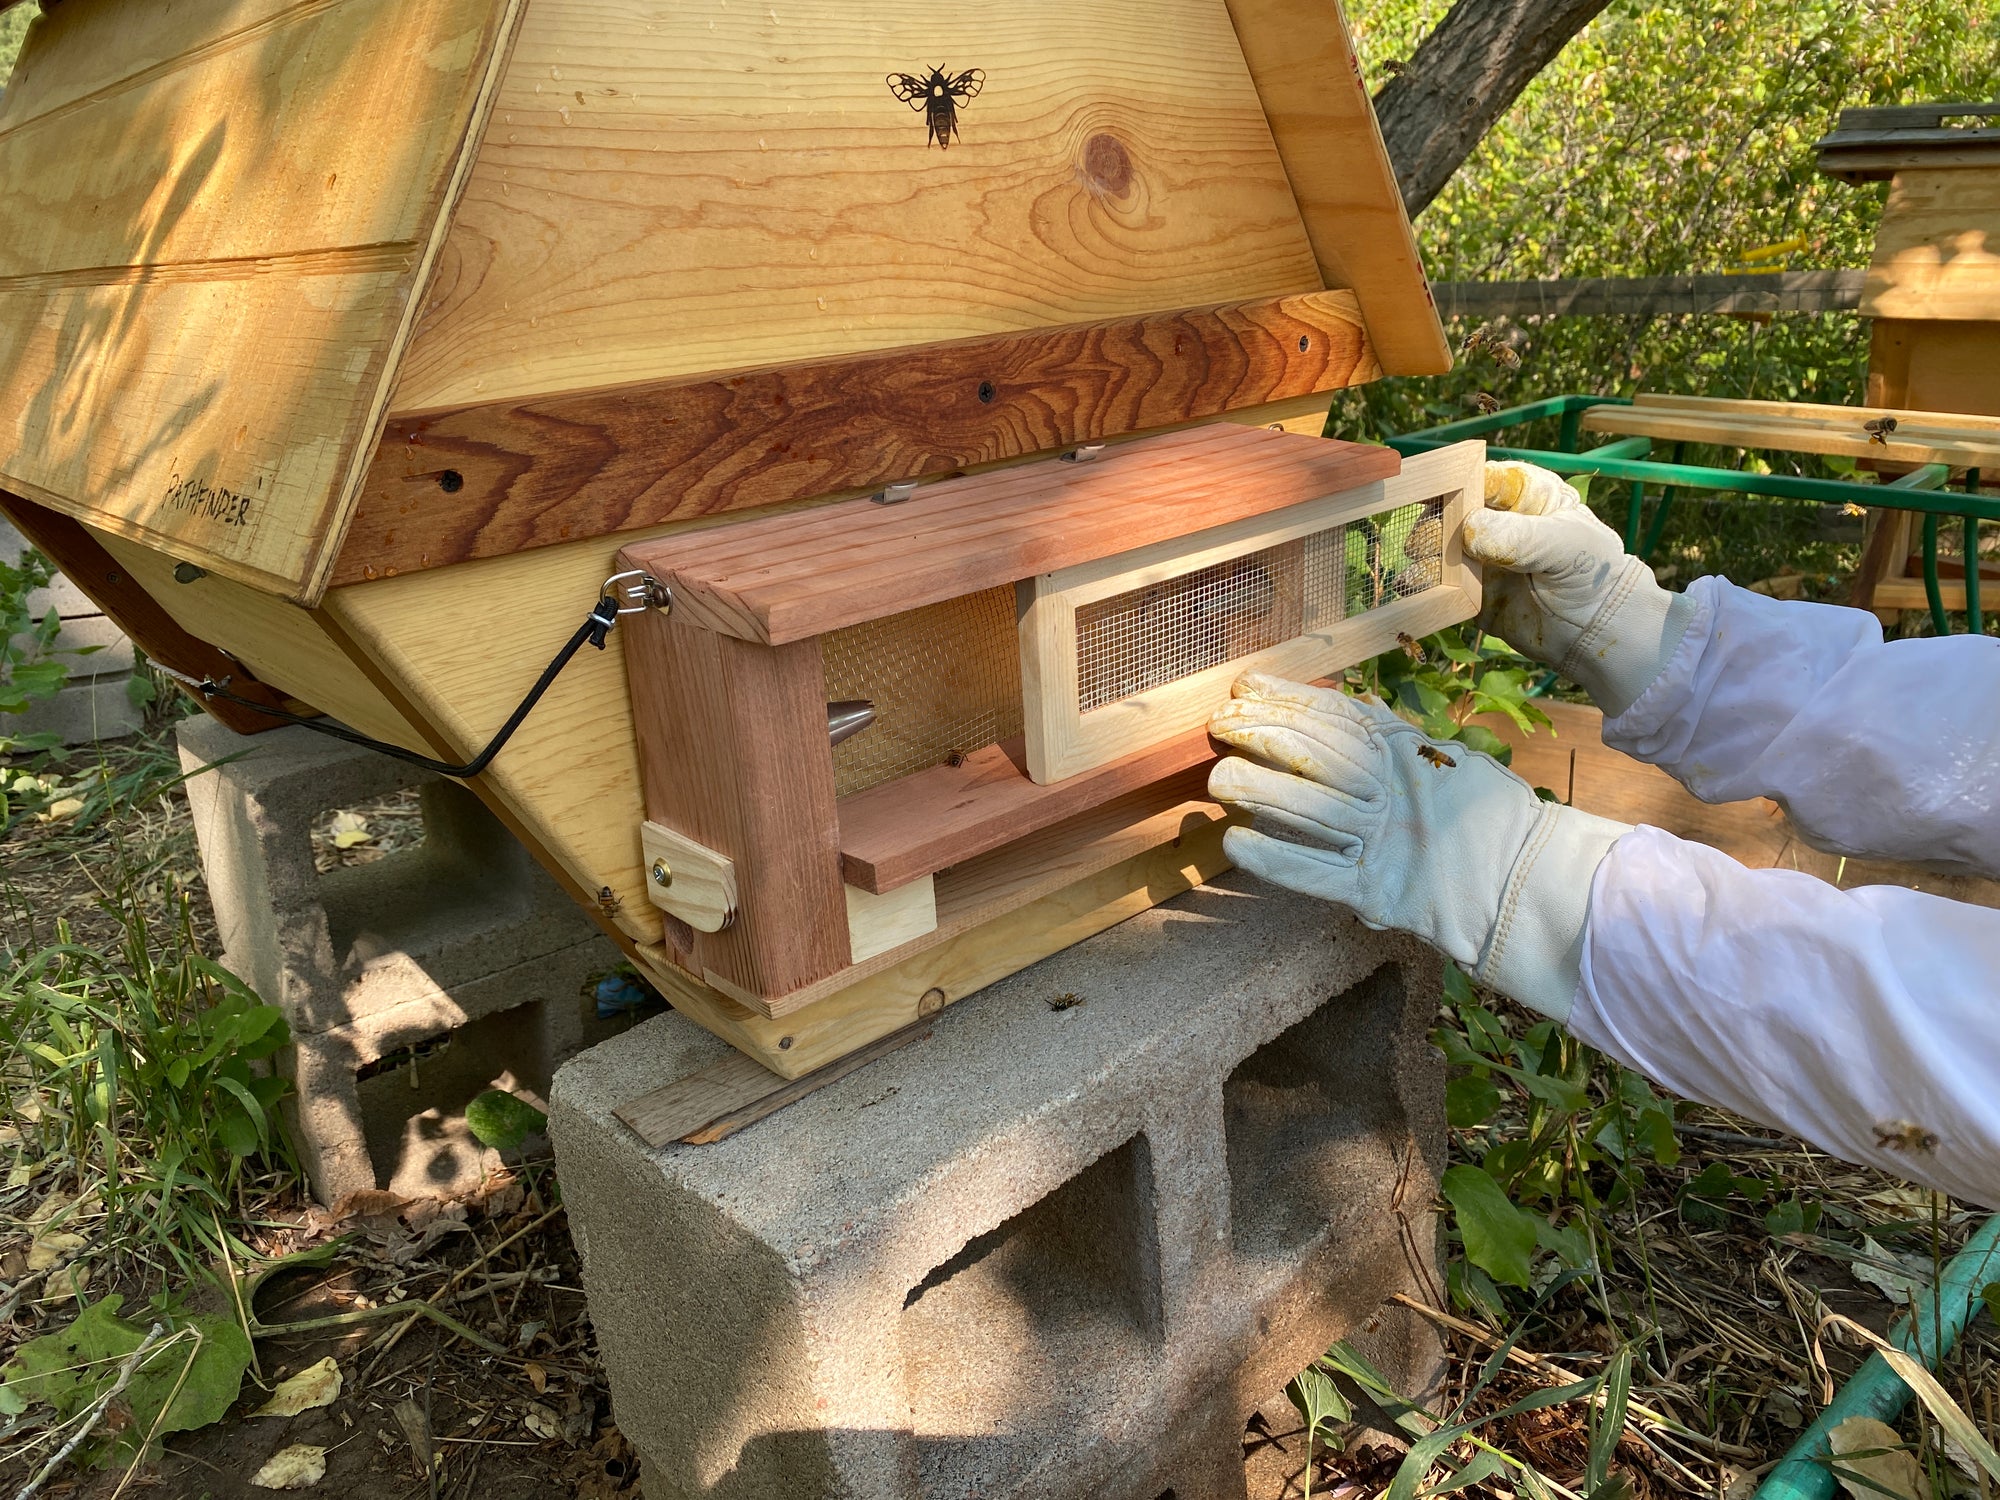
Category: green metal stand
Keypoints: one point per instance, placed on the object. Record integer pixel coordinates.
(1630, 460)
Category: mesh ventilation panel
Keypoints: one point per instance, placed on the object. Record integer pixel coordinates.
(1162, 632)
(945, 680)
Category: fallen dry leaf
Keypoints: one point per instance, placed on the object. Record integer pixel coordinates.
(315, 1386)
(50, 1250)
(1894, 1472)
(537, 1376)
(66, 1284)
(298, 1467)
(348, 829)
(1896, 1277)
(541, 1421)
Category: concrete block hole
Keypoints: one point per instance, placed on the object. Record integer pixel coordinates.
(1303, 1125)
(1047, 1316)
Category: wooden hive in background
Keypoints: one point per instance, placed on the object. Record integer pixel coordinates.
(344, 345)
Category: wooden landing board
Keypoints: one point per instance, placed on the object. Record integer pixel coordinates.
(1937, 249)
(668, 190)
(896, 831)
(785, 578)
(1920, 437)
(507, 476)
(216, 222)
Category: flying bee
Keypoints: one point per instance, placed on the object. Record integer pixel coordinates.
(1505, 357)
(1849, 508)
(1878, 430)
(1474, 341)
(1485, 403)
(607, 901)
(938, 94)
(1435, 756)
(1412, 647)
(1905, 1135)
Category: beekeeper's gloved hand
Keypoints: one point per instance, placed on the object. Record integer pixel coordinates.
(1560, 587)
(1354, 805)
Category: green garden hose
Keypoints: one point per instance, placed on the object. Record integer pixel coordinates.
(1928, 1332)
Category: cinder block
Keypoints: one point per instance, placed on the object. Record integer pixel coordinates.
(1042, 1252)
(95, 708)
(411, 983)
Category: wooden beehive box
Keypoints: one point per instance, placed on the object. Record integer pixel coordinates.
(344, 347)
(1933, 286)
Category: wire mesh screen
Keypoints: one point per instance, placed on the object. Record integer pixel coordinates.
(1164, 631)
(945, 680)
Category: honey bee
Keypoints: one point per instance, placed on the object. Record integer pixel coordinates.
(1474, 341)
(1485, 403)
(1878, 430)
(1065, 1001)
(1505, 357)
(1851, 509)
(1905, 1135)
(607, 901)
(938, 95)
(1435, 756)
(1412, 647)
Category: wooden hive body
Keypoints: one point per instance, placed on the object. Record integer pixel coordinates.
(398, 322)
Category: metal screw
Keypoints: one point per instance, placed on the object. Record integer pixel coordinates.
(1305, 343)
(188, 572)
(451, 481)
(986, 391)
(784, 1044)
(662, 875)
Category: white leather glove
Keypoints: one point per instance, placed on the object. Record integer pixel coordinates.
(1562, 589)
(1420, 835)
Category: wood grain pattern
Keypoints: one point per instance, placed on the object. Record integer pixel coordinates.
(735, 1091)
(668, 190)
(877, 923)
(1935, 366)
(899, 830)
(286, 646)
(1309, 81)
(1920, 437)
(207, 272)
(464, 643)
(732, 741)
(1937, 248)
(539, 471)
(83, 560)
(1027, 869)
(783, 578)
(1063, 741)
(1158, 859)
(700, 885)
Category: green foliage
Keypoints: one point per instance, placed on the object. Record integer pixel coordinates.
(188, 1379)
(13, 27)
(1673, 140)
(151, 1067)
(1322, 1408)
(1452, 676)
(501, 1121)
(28, 673)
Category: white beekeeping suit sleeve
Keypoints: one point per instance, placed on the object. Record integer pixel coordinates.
(1883, 749)
(1865, 1021)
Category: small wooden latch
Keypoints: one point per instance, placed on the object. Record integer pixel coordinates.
(688, 880)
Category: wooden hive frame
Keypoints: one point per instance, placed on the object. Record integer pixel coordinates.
(358, 418)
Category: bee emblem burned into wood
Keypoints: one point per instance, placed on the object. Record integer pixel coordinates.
(1435, 756)
(938, 94)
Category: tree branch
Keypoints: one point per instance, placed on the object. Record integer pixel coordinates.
(1462, 78)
